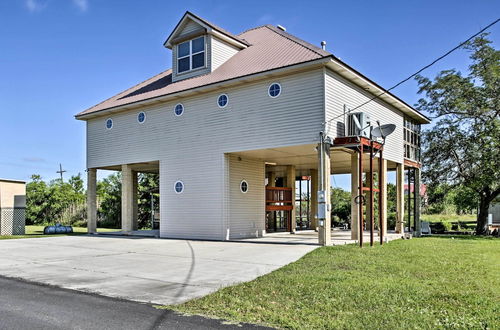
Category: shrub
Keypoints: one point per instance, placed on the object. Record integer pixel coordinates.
(440, 227)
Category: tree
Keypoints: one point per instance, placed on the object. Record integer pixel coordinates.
(341, 204)
(463, 147)
(37, 206)
(109, 194)
(48, 202)
(148, 186)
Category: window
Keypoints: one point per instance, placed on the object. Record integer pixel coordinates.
(244, 186)
(109, 123)
(222, 100)
(179, 109)
(141, 117)
(412, 140)
(274, 90)
(191, 55)
(178, 187)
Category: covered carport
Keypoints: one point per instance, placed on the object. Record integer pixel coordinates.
(129, 198)
(285, 167)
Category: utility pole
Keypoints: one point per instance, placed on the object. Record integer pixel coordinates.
(61, 171)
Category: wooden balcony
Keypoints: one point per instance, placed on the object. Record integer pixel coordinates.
(279, 195)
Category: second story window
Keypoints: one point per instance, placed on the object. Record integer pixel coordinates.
(191, 55)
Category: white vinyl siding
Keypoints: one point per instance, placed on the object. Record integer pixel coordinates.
(191, 147)
(189, 27)
(246, 210)
(221, 52)
(340, 92)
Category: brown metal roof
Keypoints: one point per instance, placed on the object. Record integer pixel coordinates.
(270, 49)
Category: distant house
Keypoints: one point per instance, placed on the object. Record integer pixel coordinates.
(234, 112)
(494, 215)
(12, 207)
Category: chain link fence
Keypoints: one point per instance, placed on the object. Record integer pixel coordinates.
(12, 221)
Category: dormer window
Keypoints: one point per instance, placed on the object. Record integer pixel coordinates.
(191, 55)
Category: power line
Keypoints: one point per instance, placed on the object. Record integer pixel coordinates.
(416, 73)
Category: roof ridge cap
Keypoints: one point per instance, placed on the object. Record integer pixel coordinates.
(254, 28)
(291, 37)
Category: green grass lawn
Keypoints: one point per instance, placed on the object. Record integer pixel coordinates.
(37, 231)
(448, 217)
(421, 283)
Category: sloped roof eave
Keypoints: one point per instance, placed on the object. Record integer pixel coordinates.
(189, 15)
(84, 115)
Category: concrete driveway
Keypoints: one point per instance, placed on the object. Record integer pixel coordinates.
(159, 271)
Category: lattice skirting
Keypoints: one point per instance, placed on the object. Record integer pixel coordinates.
(12, 221)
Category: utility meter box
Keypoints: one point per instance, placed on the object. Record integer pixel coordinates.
(321, 196)
(322, 209)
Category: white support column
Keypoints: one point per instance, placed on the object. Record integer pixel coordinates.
(416, 191)
(354, 194)
(324, 202)
(314, 199)
(91, 201)
(400, 198)
(383, 196)
(135, 206)
(127, 199)
(290, 183)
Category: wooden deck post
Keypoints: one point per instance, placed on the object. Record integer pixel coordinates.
(360, 197)
(354, 193)
(382, 198)
(370, 197)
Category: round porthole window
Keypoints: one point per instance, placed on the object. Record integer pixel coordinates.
(244, 186)
(179, 109)
(109, 123)
(274, 90)
(141, 117)
(223, 100)
(178, 187)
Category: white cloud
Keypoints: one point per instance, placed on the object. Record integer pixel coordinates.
(34, 159)
(82, 5)
(34, 5)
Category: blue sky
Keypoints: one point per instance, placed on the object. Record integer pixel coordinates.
(59, 57)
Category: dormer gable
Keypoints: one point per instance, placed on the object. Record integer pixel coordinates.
(199, 47)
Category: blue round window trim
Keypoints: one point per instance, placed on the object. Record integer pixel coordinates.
(141, 117)
(109, 123)
(179, 187)
(274, 90)
(179, 109)
(222, 100)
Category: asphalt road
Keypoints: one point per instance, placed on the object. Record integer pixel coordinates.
(26, 305)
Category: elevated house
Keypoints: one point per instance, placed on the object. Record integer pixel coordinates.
(244, 130)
